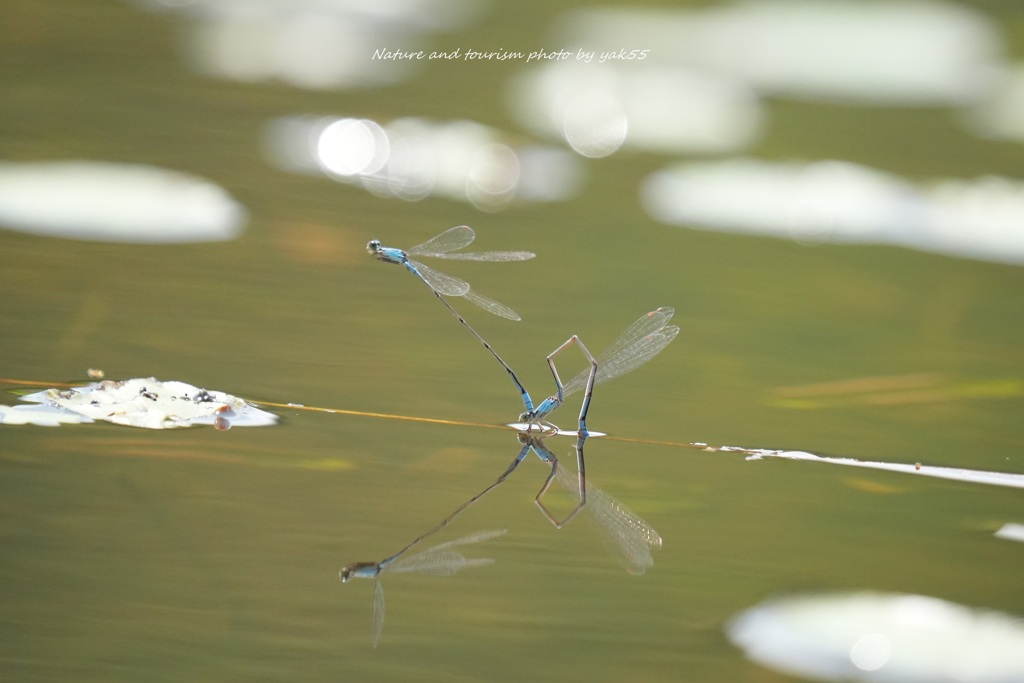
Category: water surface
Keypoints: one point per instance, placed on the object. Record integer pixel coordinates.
(197, 554)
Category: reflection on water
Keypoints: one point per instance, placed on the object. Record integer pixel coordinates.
(107, 202)
(632, 537)
(882, 637)
(191, 554)
(413, 158)
(628, 533)
(440, 560)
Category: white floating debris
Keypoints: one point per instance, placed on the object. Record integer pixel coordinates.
(107, 202)
(882, 638)
(896, 53)
(1011, 532)
(843, 202)
(40, 415)
(152, 404)
(598, 108)
(956, 473)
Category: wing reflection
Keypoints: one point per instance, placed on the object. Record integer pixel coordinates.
(632, 536)
(440, 560)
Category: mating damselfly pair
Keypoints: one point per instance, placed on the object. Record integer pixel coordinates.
(641, 341)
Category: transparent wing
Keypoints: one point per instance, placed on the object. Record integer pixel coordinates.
(647, 323)
(487, 256)
(631, 535)
(641, 342)
(478, 537)
(452, 239)
(442, 283)
(634, 537)
(457, 238)
(441, 560)
(441, 563)
(378, 612)
(492, 306)
(630, 357)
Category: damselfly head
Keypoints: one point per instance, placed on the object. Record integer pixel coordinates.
(361, 570)
(373, 247)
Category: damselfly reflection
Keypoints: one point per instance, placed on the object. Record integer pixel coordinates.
(627, 531)
(631, 535)
(440, 560)
(634, 537)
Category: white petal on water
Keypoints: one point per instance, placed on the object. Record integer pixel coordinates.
(92, 200)
(152, 404)
(884, 638)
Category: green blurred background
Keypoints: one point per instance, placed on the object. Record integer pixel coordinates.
(200, 555)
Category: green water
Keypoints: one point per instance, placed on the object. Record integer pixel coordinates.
(199, 555)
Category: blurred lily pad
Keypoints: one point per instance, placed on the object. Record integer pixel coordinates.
(108, 202)
(881, 638)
